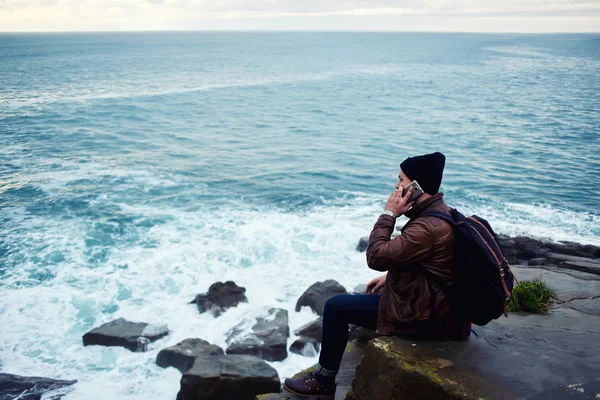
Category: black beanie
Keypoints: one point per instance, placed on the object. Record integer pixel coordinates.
(427, 170)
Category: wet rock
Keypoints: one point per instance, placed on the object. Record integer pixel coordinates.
(363, 243)
(577, 249)
(183, 355)
(231, 377)
(134, 336)
(316, 295)
(32, 387)
(524, 248)
(220, 297)
(267, 339)
(521, 248)
(306, 346)
(506, 242)
(312, 330)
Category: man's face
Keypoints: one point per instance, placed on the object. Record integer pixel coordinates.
(403, 180)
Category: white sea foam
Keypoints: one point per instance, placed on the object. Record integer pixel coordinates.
(275, 255)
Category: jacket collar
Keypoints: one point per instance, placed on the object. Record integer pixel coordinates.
(419, 209)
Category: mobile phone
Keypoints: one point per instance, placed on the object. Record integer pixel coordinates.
(417, 191)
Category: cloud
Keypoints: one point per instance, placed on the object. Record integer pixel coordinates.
(577, 15)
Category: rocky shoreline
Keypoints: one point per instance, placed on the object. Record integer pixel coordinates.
(240, 371)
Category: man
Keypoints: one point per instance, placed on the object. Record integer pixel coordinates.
(407, 300)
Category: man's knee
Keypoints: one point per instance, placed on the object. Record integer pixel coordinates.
(334, 303)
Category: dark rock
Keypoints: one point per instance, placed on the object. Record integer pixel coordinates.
(558, 348)
(220, 297)
(583, 264)
(316, 295)
(392, 367)
(268, 339)
(536, 261)
(237, 377)
(306, 346)
(183, 355)
(511, 256)
(527, 253)
(364, 335)
(360, 289)
(521, 248)
(577, 249)
(363, 242)
(525, 248)
(32, 387)
(505, 242)
(312, 330)
(134, 336)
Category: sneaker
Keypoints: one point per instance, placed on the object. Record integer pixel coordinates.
(308, 386)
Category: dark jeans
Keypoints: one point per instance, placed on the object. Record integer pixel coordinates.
(339, 311)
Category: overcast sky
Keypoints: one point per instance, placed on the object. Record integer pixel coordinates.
(378, 15)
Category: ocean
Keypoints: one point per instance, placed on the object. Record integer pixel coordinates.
(136, 169)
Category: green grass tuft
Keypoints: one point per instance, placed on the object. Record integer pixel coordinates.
(531, 296)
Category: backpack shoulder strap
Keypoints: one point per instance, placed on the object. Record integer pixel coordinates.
(434, 213)
(441, 215)
(448, 218)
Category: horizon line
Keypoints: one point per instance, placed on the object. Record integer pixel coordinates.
(306, 31)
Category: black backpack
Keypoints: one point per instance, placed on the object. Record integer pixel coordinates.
(482, 289)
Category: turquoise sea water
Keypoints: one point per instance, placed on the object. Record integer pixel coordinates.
(136, 169)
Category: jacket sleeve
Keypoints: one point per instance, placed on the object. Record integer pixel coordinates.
(414, 245)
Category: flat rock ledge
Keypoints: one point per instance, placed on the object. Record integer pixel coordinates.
(267, 340)
(183, 354)
(134, 336)
(231, 377)
(32, 387)
(523, 356)
(551, 356)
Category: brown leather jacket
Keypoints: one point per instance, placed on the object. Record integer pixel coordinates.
(425, 247)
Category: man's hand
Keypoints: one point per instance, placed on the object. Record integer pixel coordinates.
(375, 285)
(397, 203)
